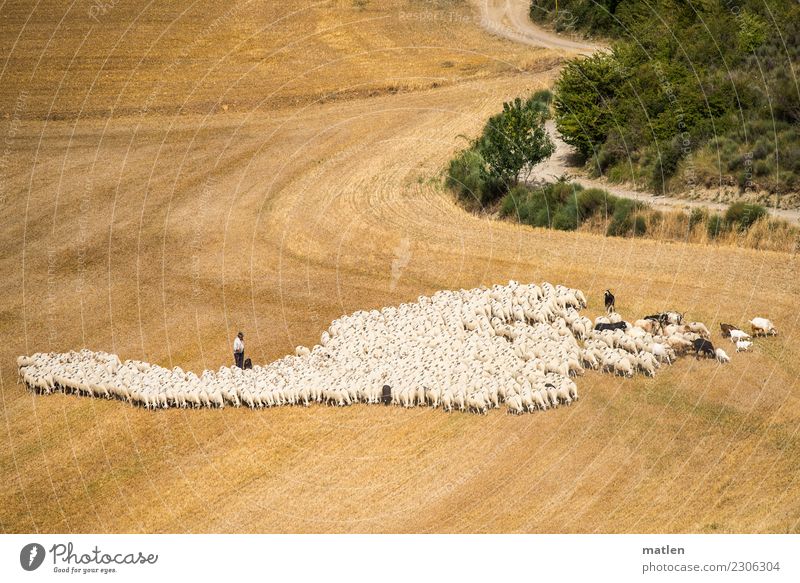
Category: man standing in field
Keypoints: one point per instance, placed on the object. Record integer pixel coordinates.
(238, 350)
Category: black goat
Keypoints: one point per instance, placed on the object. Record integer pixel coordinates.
(610, 300)
(704, 346)
(616, 326)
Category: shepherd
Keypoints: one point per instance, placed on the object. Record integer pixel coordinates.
(609, 301)
(238, 350)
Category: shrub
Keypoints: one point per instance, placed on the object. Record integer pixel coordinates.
(639, 226)
(582, 95)
(465, 176)
(566, 217)
(761, 168)
(752, 31)
(786, 100)
(515, 139)
(762, 149)
(715, 226)
(511, 141)
(514, 203)
(744, 214)
(621, 222)
(697, 216)
(669, 156)
(680, 82)
(543, 217)
(543, 96)
(611, 152)
(592, 201)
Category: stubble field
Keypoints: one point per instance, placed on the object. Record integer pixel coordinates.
(173, 175)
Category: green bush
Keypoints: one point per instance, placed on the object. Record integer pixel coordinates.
(639, 226)
(752, 32)
(715, 226)
(515, 203)
(465, 175)
(762, 149)
(566, 206)
(594, 200)
(681, 77)
(786, 100)
(762, 168)
(515, 139)
(544, 96)
(566, 217)
(744, 215)
(584, 92)
(697, 216)
(624, 221)
(621, 222)
(669, 156)
(511, 141)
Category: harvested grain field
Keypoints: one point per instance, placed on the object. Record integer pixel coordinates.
(173, 175)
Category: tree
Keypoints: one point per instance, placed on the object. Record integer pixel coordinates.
(752, 32)
(583, 95)
(515, 139)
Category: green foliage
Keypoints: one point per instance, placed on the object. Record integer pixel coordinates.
(684, 80)
(583, 100)
(512, 140)
(464, 175)
(594, 201)
(744, 215)
(666, 165)
(597, 17)
(467, 178)
(715, 226)
(515, 139)
(623, 221)
(566, 218)
(752, 32)
(543, 96)
(697, 216)
(566, 206)
(786, 100)
(639, 226)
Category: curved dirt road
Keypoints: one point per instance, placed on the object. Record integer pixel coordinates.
(509, 19)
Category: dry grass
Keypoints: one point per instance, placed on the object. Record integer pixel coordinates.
(765, 234)
(159, 235)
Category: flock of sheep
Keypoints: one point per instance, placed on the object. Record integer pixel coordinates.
(466, 350)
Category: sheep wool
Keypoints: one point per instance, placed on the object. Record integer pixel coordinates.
(460, 350)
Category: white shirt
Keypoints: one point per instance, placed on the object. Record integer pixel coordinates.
(238, 345)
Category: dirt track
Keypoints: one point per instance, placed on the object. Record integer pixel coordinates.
(509, 19)
(158, 233)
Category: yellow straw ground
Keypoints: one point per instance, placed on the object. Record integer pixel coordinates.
(143, 217)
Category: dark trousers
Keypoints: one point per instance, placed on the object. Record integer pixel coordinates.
(238, 357)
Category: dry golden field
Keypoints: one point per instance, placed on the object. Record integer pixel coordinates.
(173, 174)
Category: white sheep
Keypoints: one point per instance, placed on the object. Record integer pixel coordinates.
(763, 327)
(463, 349)
(737, 335)
(722, 356)
(698, 328)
